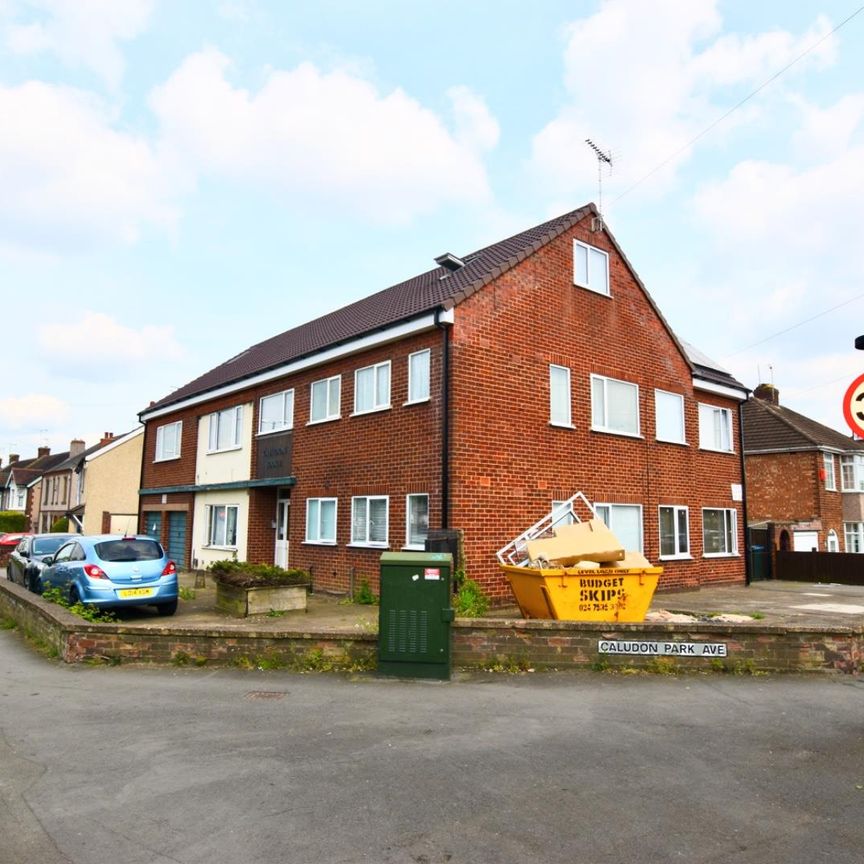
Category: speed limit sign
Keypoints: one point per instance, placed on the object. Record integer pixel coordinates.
(853, 406)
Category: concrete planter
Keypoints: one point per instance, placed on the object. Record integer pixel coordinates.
(240, 602)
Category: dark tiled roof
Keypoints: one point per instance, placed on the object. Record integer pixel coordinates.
(410, 299)
(769, 427)
(25, 471)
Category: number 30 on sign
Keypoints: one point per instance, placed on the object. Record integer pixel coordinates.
(853, 406)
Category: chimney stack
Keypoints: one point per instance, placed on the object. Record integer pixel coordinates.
(107, 438)
(43, 451)
(767, 393)
(13, 457)
(76, 447)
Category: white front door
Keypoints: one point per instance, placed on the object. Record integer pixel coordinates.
(805, 541)
(281, 556)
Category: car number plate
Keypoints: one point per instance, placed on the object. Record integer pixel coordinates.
(136, 592)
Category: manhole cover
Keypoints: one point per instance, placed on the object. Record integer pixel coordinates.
(265, 694)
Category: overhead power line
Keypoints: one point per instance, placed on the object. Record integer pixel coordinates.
(735, 107)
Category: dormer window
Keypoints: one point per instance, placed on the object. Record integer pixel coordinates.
(590, 268)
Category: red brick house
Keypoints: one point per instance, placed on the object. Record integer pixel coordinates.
(471, 397)
(805, 481)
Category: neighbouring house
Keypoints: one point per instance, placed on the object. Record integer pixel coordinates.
(805, 481)
(19, 477)
(474, 397)
(62, 488)
(112, 474)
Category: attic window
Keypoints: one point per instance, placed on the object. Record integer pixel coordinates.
(449, 262)
(590, 268)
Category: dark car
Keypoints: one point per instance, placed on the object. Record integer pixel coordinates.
(110, 570)
(26, 561)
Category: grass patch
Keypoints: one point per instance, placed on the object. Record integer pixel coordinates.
(469, 600)
(8, 624)
(185, 593)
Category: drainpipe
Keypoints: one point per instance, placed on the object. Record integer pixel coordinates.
(445, 417)
(747, 568)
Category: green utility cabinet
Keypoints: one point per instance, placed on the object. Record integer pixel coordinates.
(414, 614)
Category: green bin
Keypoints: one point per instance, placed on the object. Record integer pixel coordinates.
(414, 614)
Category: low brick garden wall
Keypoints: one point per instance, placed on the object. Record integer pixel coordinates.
(508, 645)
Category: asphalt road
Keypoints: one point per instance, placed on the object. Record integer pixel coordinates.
(133, 765)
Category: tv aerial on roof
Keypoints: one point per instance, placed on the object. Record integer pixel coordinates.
(603, 158)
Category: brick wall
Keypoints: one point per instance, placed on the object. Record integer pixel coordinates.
(789, 488)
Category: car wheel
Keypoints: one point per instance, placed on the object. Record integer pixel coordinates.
(167, 608)
(73, 595)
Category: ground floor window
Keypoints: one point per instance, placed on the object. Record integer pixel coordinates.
(320, 520)
(222, 525)
(854, 536)
(674, 532)
(417, 520)
(719, 532)
(833, 541)
(624, 521)
(369, 520)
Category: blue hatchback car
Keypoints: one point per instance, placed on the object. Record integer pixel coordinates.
(109, 570)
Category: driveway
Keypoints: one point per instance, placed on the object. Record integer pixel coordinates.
(149, 766)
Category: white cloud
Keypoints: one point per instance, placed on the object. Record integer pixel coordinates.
(68, 177)
(825, 133)
(329, 138)
(638, 83)
(82, 33)
(96, 346)
(33, 411)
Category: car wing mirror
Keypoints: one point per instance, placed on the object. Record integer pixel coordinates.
(48, 560)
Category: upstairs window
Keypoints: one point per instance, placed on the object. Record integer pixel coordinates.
(372, 388)
(326, 395)
(168, 441)
(590, 268)
(226, 429)
(830, 479)
(852, 473)
(418, 375)
(669, 414)
(559, 396)
(715, 428)
(276, 412)
(614, 406)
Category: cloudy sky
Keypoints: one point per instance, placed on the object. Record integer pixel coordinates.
(180, 180)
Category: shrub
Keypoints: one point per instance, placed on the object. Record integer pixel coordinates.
(61, 526)
(470, 601)
(364, 596)
(12, 522)
(241, 574)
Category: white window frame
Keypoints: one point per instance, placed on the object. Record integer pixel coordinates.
(677, 510)
(380, 400)
(730, 531)
(852, 469)
(853, 536)
(667, 396)
(708, 428)
(316, 538)
(598, 283)
(212, 524)
(603, 424)
(606, 512)
(419, 379)
(832, 541)
(365, 502)
(232, 416)
(560, 409)
(331, 384)
(161, 454)
(287, 411)
(408, 540)
(830, 474)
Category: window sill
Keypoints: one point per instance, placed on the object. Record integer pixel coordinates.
(225, 450)
(220, 548)
(167, 459)
(422, 401)
(606, 293)
(275, 431)
(318, 543)
(368, 545)
(715, 450)
(667, 441)
(676, 558)
(634, 435)
(720, 555)
(561, 425)
(413, 547)
(370, 411)
(324, 420)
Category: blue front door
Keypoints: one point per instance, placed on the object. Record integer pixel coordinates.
(177, 539)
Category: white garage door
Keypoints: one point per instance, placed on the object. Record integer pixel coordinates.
(805, 541)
